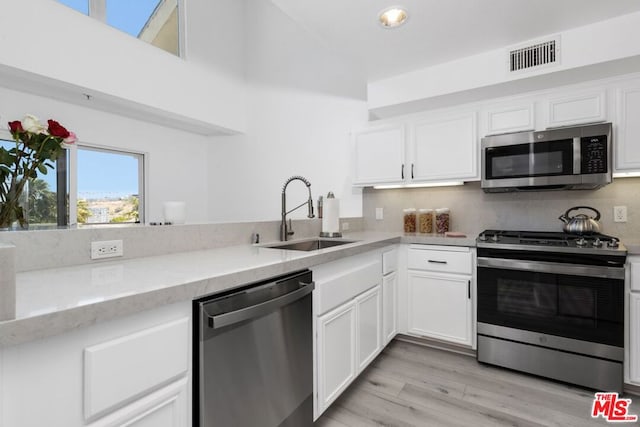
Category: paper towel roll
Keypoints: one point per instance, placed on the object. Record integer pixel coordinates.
(330, 216)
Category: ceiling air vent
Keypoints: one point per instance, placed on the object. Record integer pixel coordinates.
(533, 55)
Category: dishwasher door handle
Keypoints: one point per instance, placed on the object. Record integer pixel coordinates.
(226, 319)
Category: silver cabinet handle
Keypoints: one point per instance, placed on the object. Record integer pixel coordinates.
(402, 172)
(433, 261)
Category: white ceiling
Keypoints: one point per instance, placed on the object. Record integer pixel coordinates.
(440, 31)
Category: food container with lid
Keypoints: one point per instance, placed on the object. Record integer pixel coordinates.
(409, 220)
(425, 220)
(442, 220)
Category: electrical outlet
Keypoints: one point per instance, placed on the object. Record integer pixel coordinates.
(379, 213)
(107, 249)
(619, 214)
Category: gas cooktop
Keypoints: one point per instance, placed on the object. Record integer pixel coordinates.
(550, 241)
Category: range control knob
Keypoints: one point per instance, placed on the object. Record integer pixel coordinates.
(581, 242)
(613, 243)
(495, 237)
(482, 237)
(597, 243)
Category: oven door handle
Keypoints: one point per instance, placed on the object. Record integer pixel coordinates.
(552, 268)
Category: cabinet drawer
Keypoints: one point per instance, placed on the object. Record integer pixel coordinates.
(121, 370)
(449, 260)
(340, 288)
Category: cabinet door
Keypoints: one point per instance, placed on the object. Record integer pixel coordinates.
(634, 337)
(445, 149)
(440, 306)
(514, 118)
(378, 155)
(389, 302)
(368, 327)
(578, 108)
(166, 407)
(336, 347)
(628, 130)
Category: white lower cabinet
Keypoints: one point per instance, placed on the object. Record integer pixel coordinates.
(166, 407)
(440, 291)
(336, 349)
(131, 371)
(632, 354)
(389, 307)
(440, 306)
(634, 337)
(368, 326)
(349, 317)
(349, 338)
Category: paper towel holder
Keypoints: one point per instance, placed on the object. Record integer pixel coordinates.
(332, 234)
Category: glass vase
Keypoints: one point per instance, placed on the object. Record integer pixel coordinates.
(14, 212)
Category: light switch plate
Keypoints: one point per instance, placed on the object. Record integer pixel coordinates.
(379, 213)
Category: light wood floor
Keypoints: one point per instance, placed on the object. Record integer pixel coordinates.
(412, 385)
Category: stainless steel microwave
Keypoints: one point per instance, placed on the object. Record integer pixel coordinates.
(571, 158)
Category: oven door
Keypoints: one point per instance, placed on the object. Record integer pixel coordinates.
(574, 301)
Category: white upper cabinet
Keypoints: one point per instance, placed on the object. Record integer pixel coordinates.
(444, 148)
(378, 154)
(627, 137)
(512, 118)
(577, 108)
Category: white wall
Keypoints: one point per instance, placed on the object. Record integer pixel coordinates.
(302, 103)
(49, 40)
(177, 159)
(605, 41)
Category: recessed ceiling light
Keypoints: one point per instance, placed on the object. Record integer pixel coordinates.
(393, 17)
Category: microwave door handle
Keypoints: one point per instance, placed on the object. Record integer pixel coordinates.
(577, 156)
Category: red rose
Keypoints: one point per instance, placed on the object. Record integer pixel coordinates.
(16, 126)
(56, 129)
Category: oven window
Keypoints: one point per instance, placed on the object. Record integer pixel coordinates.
(578, 307)
(527, 160)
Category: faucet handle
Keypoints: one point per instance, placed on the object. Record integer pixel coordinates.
(290, 231)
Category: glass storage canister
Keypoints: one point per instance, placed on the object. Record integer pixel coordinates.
(442, 220)
(409, 220)
(425, 220)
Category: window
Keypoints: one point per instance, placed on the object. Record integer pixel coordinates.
(46, 204)
(110, 186)
(153, 21)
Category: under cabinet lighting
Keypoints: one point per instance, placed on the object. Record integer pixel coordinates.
(421, 185)
(393, 17)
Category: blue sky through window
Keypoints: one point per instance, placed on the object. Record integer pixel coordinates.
(126, 15)
(130, 16)
(106, 175)
(81, 6)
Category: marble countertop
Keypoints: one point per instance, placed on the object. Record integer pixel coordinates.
(68, 298)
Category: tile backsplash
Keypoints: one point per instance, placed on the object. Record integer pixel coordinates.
(472, 210)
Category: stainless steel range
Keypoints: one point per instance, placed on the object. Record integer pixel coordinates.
(552, 304)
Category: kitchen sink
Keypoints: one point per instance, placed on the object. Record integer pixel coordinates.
(309, 245)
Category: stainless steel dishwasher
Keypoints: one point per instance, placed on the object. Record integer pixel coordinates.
(253, 361)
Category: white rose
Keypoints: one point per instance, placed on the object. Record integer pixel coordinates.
(32, 124)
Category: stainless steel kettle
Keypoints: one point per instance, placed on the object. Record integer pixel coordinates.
(580, 223)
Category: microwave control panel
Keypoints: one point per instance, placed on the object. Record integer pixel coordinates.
(593, 151)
